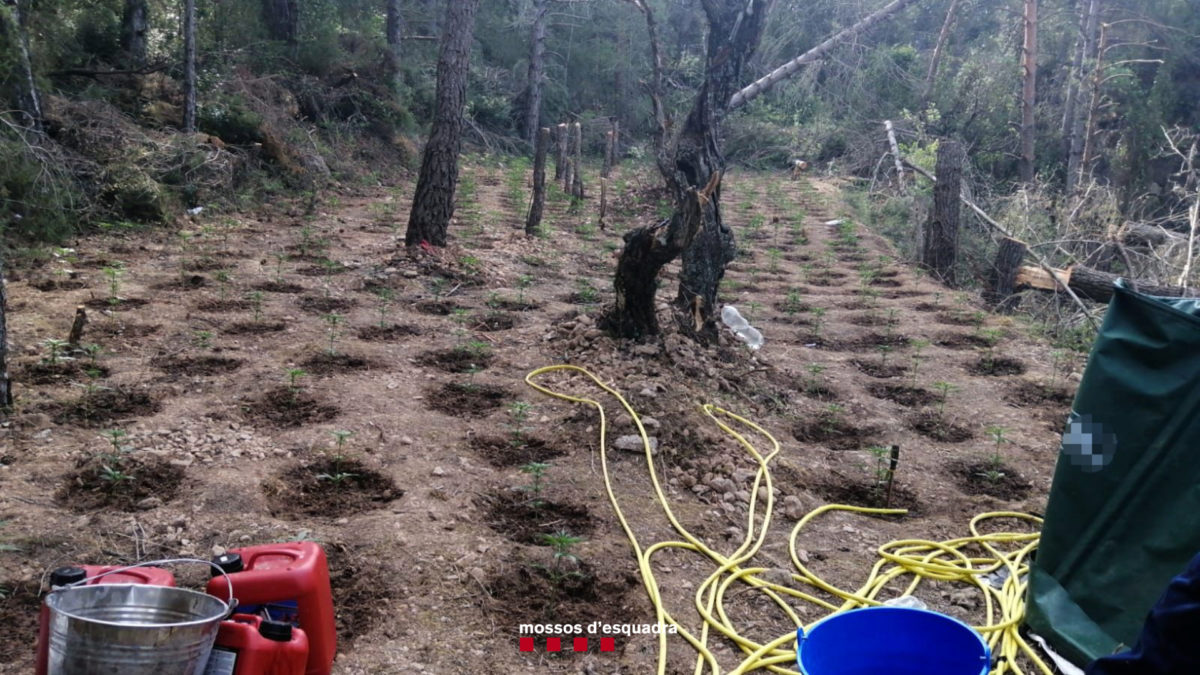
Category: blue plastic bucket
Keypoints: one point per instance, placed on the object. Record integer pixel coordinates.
(891, 641)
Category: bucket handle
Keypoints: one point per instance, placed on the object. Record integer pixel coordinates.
(231, 605)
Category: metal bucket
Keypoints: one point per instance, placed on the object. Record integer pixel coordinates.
(132, 629)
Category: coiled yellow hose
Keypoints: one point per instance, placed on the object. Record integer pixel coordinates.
(920, 559)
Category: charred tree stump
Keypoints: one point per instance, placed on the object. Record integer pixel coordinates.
(940, 248)
(560, 154)
(615, 146)
(534, 221)
(1003, 277)
(577, 162)
(76, 334)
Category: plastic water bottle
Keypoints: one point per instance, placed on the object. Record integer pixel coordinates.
(741, 328)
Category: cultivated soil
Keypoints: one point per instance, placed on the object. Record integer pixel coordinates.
(228, 394)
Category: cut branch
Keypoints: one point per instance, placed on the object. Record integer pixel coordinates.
(756, 88)
(1093, 284)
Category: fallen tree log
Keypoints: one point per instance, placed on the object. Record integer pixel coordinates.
(1094, 284)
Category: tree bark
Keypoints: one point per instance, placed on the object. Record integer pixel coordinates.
(941, 230)
(393, 31)
(433, 201)
(577, 163)
(1028, 91)
(6, 393)
(1092, 284)
(282, 18)
(603, 203)
(616, 143)
(568, 150)
(1073, 120)
(189, 66)
(936, 59)
(76, 335)
(29, 101)
(891, 135)
(608, 154)
(1088, 139)
(560, 152)
(135, 24)
(1003, 275)
(761, 85)
(695, 229)
(539, 182)
(537, 70)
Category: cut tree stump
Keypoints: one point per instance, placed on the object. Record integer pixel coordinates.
(1093, 284)
(1003, 276)
(577, 162)
(76, 334)
(560, 155)
(941, 230)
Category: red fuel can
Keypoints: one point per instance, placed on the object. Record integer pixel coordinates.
(66, 576)
(252, 645)
(284, 582)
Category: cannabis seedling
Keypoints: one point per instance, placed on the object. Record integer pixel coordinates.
(536, 472)
(518, 412)
(562, 543)
(293, 376)
(332, 322)
(944, 388)
(818, 321)
(202, 339)
(256, 303)
(54, 349)
(917, 346)
(114, 273)
(831, 418)
(885, 461)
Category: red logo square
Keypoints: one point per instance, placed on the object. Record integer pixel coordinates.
(526, 644)
(553, 644)
(581, 644)
(608, 644)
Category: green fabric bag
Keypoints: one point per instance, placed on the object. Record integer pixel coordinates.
(1124, 509)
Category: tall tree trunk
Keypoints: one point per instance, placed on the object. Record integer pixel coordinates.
(537, 70)
(1074, 118)
(29, 101)
(941, 231)
(568, 142)
(539, 182)
(936, 58)
(1003, 275)
(189, 66)
(6, 394)
(282, 18)
(433, 202)
(560, 152)
(1028, 91)
(577, 163)
(695, 228)
(135, 24)
(393, 27)
(1087, 144)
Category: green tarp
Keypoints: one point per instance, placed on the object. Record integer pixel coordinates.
(1124, 510)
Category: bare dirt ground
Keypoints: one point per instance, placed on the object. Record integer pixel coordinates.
(436, 556)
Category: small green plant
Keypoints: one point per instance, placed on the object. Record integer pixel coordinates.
(438, 286)
(256, 303)
(114, 272)
(293, 378)
(518, 414)
(523, 283)
(794, 302)
(562, 545)
(884, 350)
(93, 351)
(1057, 360)
(774, 255)
(818, 314)
(336, 478)
(991, 338)
(814, 382)
(944, 389)
(537, 474)
(54, 351)
(114, 476)
(223, 279)
(202, 339)
(586, 293)
(918, 346)
(383, 303)
(333, 322)
(883, 472)
(831, 417)
(280, 258)
(997, 434)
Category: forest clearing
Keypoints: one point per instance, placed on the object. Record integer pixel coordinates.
(597, 336)
(434, 549)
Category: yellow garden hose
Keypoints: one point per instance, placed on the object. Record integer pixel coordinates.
(966, 560)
